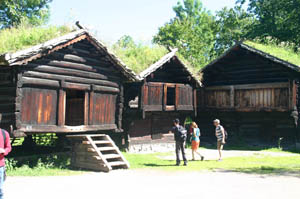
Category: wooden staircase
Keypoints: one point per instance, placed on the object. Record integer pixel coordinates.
(96, 152)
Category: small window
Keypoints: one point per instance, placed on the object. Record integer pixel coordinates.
(75, 107)
(170, 96)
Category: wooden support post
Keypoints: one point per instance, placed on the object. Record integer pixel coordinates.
(177, 95)
(195, 101)
(144, 98)
(91, 106)
(86, 108)
(165, 90)
(121, 102)
(232, 96)
(61, 106)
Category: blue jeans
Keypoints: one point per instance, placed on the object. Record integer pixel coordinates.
(2, 170)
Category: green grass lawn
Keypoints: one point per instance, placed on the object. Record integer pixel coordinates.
(262, 164)
(58, 165)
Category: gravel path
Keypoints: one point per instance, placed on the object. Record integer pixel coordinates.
(148, 184)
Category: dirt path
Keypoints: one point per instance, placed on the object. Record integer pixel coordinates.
(147, 184)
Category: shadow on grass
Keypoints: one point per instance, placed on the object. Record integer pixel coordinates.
(264, 171)
(160, 165)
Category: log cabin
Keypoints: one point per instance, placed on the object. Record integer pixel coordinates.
(253, 91)
(165, 91)
(70, 84)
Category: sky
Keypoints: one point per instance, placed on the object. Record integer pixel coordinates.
(111, 19)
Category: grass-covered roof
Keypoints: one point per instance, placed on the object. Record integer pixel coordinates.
(284, 53)
(22, 37)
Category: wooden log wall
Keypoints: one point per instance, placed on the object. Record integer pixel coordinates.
(9, 104)
(154, 97)
(244, 67)
(249, 97)
(265, 126)
(154, 124)
(43, 83)
(171, 72)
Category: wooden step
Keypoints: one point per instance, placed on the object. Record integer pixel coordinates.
(91, 150)
(98, 135)
(107, 148)
(111, 156)
(100, 154)
(117, 163)
(97, 142)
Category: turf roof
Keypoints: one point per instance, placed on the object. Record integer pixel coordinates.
(284, 53)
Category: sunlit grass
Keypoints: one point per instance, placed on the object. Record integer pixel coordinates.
(283, 52)
(24, 36)
(255, 164)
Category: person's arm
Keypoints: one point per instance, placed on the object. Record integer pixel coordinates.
(216, 134)
(7, 145)
(194, 133)
(223, 134)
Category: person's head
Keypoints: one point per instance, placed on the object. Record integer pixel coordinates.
(176, 121)
(194, 125)
(216, 122)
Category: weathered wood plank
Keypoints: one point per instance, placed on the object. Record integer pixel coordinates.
(71, 72)
(86, 108)
(66, 129)
(76, 86)
(250, 86)
(91, 108)
(106, 89)
(70, 78)
(38, 81)
(61, 108)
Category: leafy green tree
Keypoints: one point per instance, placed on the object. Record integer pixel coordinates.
(278, 19)
(15, 12)
(137, 55)
(192, 31)
(233, 25)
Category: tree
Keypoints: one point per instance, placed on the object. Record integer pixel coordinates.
(14, 12)
(233, 25)
(192, 31)
(277, 19)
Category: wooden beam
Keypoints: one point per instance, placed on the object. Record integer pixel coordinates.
(177, 96)
(91, 108)
(106, 89)
(165, 91)
(232, 96)
(250, 86)
(65, 129)
(37, 81)
(71, 72)
(86, 108)
(76, 86)
(195, 101)
(61, 113)
(59, 77)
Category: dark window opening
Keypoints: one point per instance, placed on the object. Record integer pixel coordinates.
(74, 107)
(170, 96)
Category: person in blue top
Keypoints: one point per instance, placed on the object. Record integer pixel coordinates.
(195, 141)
